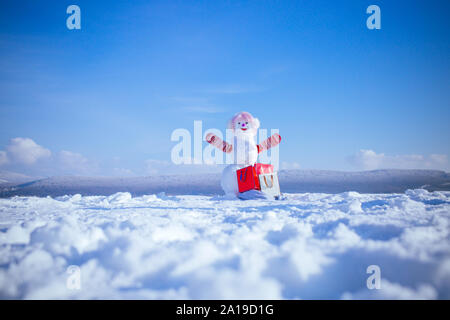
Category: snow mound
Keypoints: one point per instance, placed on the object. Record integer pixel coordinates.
(307, 246)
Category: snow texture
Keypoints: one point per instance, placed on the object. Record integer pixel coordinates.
(310, 245)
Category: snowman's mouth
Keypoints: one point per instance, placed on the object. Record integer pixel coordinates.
(243, 129)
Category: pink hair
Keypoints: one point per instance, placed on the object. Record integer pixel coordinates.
(246, 117)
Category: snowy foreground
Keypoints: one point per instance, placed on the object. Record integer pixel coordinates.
(307, 246)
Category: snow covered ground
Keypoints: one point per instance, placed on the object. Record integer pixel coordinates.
(307, 246)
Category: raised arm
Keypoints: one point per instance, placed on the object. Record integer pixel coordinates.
(270, 142)
(219, 143)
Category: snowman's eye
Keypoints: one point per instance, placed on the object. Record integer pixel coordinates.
(239, 123)
(246, 122)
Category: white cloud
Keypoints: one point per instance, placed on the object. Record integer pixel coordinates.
(26, 151)
(289, 165)
(153, 167)
(196, 105)
(370, 160)
(123, 172)
(26, 156)
(72, 162)
(394, 291)
(161, 167)
(203, 109)
(190, 100)
(72, 159)
(231, 89)
(3, 158)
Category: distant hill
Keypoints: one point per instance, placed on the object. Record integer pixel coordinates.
(8, 178)
(376, 181)
(292, 181)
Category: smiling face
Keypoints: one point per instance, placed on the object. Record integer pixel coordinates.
(244, 125)
(243, 128)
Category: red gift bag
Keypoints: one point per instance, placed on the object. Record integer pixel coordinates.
(248, 177)
(261, 168)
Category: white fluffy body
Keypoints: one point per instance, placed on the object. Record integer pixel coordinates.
(245, 128)
(246, 152)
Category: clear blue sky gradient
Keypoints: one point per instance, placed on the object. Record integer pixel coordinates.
(137, 70)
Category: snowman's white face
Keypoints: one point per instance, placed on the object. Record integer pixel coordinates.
(243, 128)
(243, 125)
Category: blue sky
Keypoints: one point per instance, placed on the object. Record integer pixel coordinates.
(109, 95)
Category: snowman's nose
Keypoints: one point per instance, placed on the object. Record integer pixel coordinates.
(243, 124)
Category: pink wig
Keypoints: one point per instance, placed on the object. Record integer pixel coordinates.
(244, 116)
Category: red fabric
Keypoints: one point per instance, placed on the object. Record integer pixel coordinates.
(261, 168)
(247, 179)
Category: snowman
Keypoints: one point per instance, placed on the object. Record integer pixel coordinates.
(245, 149)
